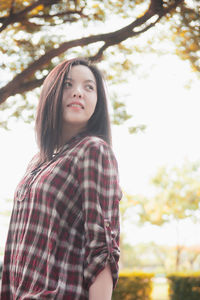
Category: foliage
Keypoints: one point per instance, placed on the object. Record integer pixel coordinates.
(37, 35)
(176, 197)
(184, 286)
(133, 286)
(126, 204)
(152, 257)
(179, 34)
(177, 194)
(190, 258)
(187, 37)
(146, 257)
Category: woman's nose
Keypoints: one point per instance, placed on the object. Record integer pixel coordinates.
(77, 93)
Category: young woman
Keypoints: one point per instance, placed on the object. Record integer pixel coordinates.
(63, 239)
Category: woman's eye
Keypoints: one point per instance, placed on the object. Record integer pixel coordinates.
(68, 84)
(90, 87)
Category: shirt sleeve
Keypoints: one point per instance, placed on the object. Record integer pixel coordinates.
(100, 203)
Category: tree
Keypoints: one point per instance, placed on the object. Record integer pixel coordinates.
(186, 36)
(33, 38)
(182, 28)
(177, 197)
(126, 204)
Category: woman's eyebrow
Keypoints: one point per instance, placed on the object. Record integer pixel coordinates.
(90, 80)
(87, 80)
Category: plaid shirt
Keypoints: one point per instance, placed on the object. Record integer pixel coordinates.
(64, 227)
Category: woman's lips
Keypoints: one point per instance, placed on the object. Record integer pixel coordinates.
(76, 105)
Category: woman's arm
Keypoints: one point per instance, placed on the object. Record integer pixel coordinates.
(102, 286)
(100, 192)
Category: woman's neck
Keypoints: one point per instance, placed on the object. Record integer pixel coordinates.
(68, 132)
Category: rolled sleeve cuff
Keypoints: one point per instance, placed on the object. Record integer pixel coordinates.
(98, 258)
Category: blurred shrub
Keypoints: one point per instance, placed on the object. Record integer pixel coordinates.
(184, 286)
(133, 286)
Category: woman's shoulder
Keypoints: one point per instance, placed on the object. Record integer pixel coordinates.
(94, 142)
(93, 146)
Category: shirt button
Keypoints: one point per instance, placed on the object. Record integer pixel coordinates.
(51, 246)
(107, 224)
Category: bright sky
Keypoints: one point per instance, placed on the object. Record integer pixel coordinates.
(171, 113)
(160, 101)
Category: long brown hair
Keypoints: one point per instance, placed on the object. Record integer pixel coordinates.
(48, 126)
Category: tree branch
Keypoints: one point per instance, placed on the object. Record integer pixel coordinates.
(12, 7)
(20, 82)
(30, 85)
(71, 12)
(17, 17)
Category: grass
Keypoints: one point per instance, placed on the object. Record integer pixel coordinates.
(160, 290)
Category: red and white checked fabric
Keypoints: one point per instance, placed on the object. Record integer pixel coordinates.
(64, 225)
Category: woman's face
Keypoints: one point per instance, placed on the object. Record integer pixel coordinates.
(79, 97)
